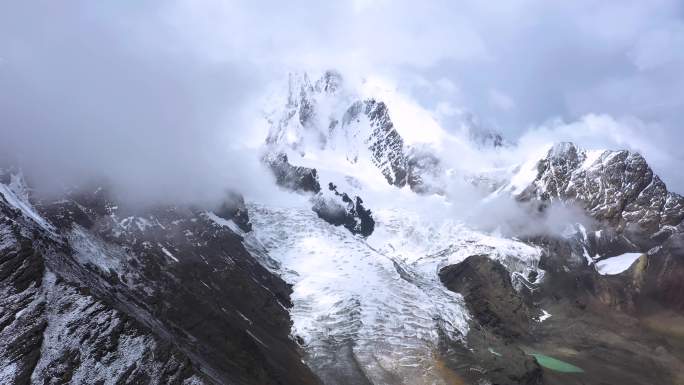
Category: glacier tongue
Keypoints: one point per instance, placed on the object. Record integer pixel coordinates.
(348, 295)
(377, 304)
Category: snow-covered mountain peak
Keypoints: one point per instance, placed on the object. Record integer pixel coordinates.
(371, 130)
(323, 115)
(617, 188)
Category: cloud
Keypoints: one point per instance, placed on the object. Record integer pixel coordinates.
(504, 215)
(500, 100)
(162, 96)
(82, 97)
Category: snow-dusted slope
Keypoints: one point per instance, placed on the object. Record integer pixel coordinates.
(189, 295)
(55, 331)
(92, 293)
(324, 115)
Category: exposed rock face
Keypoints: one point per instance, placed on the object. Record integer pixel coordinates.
(486, 286)
(501, 316)
(634, 212)
(340, 209)
(321, 115)
(617, 188)
(495, 360)
(610, 325)
(92, 293)
(330, 82)
(489, 138)
(52, 331)
(385, 143)
(295, 178)
(300, 123)
(661, 277)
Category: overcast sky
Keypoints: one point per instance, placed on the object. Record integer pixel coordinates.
(153, 91)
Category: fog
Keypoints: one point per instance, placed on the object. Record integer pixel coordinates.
(508, 217)
(83, 97)
(163, 98)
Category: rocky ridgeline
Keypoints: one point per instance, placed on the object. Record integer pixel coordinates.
(354, 126)
(383, 141)
(617, 188)
(95, 293)
(598, 316)
(633, 212)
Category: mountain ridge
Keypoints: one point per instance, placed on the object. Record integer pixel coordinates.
(366, 275)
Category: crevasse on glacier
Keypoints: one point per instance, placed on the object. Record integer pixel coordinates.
(379, 299)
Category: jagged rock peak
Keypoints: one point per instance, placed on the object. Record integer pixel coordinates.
(618, 188)
(425, 171)
(321, 115)
(233, 208)
(385, 143)
(301, 89)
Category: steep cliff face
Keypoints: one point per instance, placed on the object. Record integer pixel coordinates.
(323, 115)
(328, 118)
(426, 172)
(55, 330)
(634, 213)
(384, 142)
(94, 293)
(617, 188)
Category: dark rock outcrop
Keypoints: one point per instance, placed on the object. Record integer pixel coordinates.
(295, 178)
(662, 276)
(494, 359)
(634, 213)
(92, 291)
(489, 294)
(610, 325)
(385, 143)
(501, 317)
(330, 82)
(340, 209)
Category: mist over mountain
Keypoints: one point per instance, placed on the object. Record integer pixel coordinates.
(358, 192)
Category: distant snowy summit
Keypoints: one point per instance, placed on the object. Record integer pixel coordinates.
(328, 132)
(617, 188)
(326, 115)
(323, 115)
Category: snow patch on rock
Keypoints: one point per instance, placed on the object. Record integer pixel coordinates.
(618, 264)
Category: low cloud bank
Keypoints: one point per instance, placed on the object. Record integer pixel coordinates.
(88, 93)
(162, 98)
